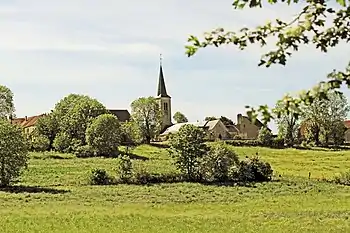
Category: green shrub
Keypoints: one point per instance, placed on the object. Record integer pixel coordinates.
(277, 143)
(124, 169)
(216, 165)
(40, 143)
(343, 178)
(99, 177)
(252, 170)
(142, 176)
(62, 143)
(84, 152)
(248, 143)
(265, 136)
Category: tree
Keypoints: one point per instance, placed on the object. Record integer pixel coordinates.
(47, 126)
(325, 119)
(104, 135)
(309, 26)
(145, 112)
(210, 118)
(13, 152)
(287, 124)
(7, 107)
(226, 120)
(180, 117)
(73, 114)
(187, 147)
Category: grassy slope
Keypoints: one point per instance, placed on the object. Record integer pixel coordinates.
(293, 205)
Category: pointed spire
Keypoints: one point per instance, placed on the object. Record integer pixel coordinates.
(161, 83)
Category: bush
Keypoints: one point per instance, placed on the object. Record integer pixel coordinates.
(237, 137)
(265, 137)
(343, 178)
(62, 143)
(13, 152)
(104, 135)
(141, 176)
(216, 165)
(40, 143)
(84, 152)
(99, 177)
(248, 143)
(277, 143)
(124, 169)
(253, 170)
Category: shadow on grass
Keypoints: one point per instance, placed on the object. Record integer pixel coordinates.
(31, 189)
(160, 145)
(330, 148)
(137, 157)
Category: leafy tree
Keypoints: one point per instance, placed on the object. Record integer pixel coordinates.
(13, 152)
(104, 135)
(210, 118)
(47, 126)
(325, 119)
(187, 147)
(145, 112)
(217, 164)
(309, 26)
(7, 107)
(226, 120)
(74, 113)
(130, 133)
(287, 123)
(180, 117)
(265, 136)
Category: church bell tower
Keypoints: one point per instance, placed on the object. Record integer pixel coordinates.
(164, 99)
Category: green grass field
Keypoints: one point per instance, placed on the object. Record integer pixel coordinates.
(66, 203)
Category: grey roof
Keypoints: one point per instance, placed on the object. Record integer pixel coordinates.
(209, 125)
(122, 114)
(161, 84)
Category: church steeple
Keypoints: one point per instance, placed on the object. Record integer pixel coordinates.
(164, 99)
(161, 83)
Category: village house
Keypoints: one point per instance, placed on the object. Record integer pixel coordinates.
(27, 123)
(215, 129)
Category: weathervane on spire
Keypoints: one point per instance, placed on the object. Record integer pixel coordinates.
(160, 58)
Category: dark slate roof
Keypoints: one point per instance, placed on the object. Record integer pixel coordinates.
(122, 114)
(161, 84)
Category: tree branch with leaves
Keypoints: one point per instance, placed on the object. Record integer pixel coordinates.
(308, 27)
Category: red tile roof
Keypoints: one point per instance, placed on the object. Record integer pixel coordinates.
(347, 124)
(29, 122)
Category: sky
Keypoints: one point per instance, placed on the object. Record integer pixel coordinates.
(109, 50)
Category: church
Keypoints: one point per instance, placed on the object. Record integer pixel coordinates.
(164, 100)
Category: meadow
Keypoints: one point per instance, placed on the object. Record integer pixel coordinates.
(53, 195)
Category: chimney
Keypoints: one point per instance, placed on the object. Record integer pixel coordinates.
(239, 119)
(26, 118)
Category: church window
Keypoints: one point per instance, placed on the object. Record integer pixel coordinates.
(165, 106)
